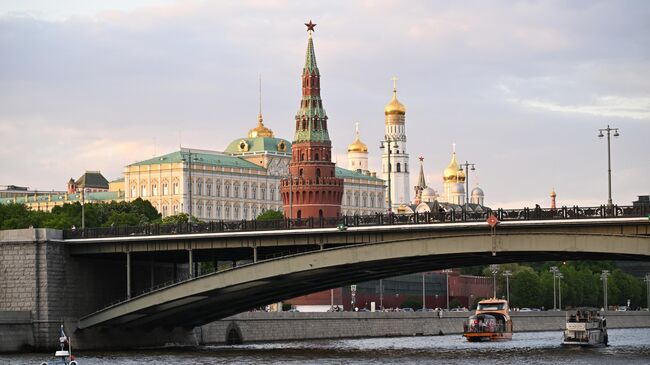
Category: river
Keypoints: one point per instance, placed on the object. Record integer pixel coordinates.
(627, 346)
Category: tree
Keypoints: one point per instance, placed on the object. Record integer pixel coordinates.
(524, 290)
(178, 219)
(270, 215)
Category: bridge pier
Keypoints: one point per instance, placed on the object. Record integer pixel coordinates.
(190, 268)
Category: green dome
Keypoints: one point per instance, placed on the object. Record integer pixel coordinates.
(259, 144)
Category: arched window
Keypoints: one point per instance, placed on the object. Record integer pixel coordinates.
(317, 172)
(300, 172)
(320, 213)
(316, 157)
(399, 167)
(299, 214)
(302, 157)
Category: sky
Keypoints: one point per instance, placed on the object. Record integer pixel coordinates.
(521, 87)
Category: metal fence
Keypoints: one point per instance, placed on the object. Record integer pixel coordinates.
(443, 216)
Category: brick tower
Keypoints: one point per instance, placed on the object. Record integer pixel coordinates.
(312, 190)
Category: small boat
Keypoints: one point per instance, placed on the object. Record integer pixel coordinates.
(585, 327)
(64, 355)
(491, 322)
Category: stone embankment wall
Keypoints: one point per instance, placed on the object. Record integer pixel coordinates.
(262, 327)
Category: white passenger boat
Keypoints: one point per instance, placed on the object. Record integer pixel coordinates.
(585, 327)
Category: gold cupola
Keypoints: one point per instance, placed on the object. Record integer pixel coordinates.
(453, 171)
(357, 145)
(394, 106)
(260, 130)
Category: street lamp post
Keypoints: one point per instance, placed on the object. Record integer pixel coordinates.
(554, 270)
(647, 289)
(609, 160)
(507, 274)
(423, 293)
(467, 166)
(447, 271)
(603, 277)
(189, 189)
(381, 294)
(559, 290)
(495, 270)
(382, 146)
(83, 207)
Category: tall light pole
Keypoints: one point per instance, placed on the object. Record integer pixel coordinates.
(381, 294)
(423, 294)
(390, 147)
(554, 270)
(507, 274)
(495, 270)
(603, 277)
(83, 207)
(446, 272)
(647, 290)
(467, 166)
(559, 290)
(609, 160)
(189, 190)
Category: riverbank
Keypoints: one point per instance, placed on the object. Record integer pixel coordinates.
(270, 327)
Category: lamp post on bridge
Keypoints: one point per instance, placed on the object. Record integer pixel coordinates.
(189, 160)
(603, 276)
(610, 205)
(387, 143)
(467, 166)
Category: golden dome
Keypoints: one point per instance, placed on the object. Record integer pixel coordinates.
(260, 130)
(394, 106)
(553, 195)
(452, 173)
(357, 145)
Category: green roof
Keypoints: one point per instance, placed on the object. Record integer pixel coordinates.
(42, 198)
(349, 174)
(118, 180)
(259, 144)
(201, 158)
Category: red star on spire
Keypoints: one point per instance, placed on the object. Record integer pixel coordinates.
(310, 26)
(421, 158)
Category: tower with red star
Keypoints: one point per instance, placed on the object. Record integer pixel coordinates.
(312, 188)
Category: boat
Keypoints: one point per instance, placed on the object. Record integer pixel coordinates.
(585, 327)
(491, 322)
(64, 355)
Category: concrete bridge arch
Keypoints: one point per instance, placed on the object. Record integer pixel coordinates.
(211, 297)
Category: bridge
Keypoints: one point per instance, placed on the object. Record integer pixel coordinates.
(278, 265)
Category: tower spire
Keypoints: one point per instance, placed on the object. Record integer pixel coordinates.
(311, 168)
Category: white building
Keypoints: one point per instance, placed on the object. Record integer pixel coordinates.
(239, 183)
(395, 147)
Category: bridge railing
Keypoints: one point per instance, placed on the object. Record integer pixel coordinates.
(449, 215)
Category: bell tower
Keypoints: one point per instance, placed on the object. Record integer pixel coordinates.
(312, 188)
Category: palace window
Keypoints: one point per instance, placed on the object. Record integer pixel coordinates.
(218, 211)
(263, 192)
(272, 192)
(209, 187)
(254, 191)
(165, 189)
(175, 188)
(227, 212)
(199, 210)
(154, 189)
(217, 188)
(236, 213)
(164, 210)
(208, 210)
(134, 191)
(245, 212)
(245, 191)
(236, 190)
(227, 190)
(143, 190)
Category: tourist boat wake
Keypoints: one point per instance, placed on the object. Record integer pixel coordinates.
(585, 327)
(491, 322)
(63, 356)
